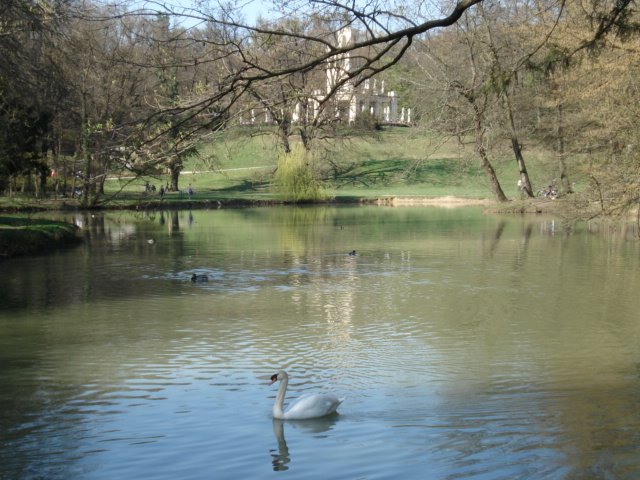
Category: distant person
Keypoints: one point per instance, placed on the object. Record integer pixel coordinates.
(161, 192)
(190, 192)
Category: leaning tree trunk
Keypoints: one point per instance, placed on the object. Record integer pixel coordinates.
(306, 138)
(517, 148)
(488, 169)
(502, 83)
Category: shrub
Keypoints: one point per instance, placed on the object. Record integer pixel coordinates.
(367, 122)
(296, 177)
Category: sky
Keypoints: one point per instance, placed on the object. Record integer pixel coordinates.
(252, 9)
(255, 8)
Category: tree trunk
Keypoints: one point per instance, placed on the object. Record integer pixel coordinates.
(488, 169)
(525, 183)
(101, 183)
(494, 184)
(306, 139)
(284, 130)
(43, 174)
(86, 155)
(174, 173)
(565, 185)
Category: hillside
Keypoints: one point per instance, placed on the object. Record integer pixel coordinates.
(394, 162)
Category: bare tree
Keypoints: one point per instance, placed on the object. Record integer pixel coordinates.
(388, 36)
(502, 80)
(293, 104)
(456, 73)
(146, 81)
(104, 95)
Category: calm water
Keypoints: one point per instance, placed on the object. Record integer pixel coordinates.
(468, 346)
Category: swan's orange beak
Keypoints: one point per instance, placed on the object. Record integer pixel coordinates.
(274, 379)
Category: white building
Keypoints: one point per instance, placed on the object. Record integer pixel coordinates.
(350, 97)
(369, 96)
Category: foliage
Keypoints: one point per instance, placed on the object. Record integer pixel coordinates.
(296, 178)
(365, 121)
(20, 236)
(23, 127)
(28, 86)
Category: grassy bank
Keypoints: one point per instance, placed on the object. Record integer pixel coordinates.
(236, 168)
(23, 236)
(394, 162)
(398, 161)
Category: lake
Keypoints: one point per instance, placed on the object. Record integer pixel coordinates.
(468, 346)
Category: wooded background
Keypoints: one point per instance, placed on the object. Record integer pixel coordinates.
(91, 88)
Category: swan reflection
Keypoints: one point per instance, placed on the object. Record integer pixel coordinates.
(280, 457)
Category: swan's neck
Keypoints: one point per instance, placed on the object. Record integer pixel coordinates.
(279, 403)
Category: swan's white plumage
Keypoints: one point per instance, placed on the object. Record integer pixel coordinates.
(307, 406)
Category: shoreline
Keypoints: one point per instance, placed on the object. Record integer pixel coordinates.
(212, 203)
(528, 206)
(21, 237)
(448, 201)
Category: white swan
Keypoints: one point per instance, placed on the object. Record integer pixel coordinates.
(307, 406)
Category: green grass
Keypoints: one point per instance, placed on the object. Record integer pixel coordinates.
(22, 236)
(238, 165)
(244, 147)
(397, 161)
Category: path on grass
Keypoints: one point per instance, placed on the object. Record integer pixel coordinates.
(195, 172)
